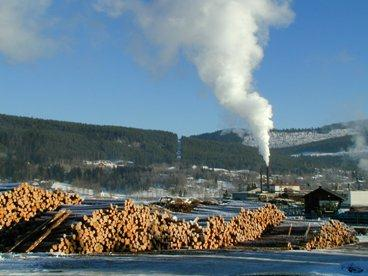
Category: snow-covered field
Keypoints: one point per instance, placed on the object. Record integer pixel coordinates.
(334, 262)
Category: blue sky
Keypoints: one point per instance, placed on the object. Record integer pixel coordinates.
(314, 72)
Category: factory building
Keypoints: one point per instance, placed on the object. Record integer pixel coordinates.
(321, 203)
(357, 199)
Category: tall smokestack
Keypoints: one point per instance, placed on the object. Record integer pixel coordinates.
(261, 179)
(268, 178)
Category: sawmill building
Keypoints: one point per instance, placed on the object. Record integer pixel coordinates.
(321, 203)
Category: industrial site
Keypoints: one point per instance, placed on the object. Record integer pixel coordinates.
(183, 137)
(275, 216)
(186, 214)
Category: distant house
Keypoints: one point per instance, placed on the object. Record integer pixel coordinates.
(285, 187)
(321, 202)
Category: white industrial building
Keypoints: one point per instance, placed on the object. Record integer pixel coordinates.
(279, 188)
(357, 199)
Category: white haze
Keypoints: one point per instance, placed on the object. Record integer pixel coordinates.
(21, 29)
(223, 38)
(360, 149)
(238, 131)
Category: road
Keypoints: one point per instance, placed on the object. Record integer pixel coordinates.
(330, 262)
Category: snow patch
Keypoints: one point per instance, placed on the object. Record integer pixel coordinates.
(283, 139)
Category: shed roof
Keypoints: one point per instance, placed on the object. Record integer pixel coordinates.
(324, 190)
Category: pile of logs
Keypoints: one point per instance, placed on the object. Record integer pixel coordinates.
(332, 234)
(182, 205)
(178, 204)
(137, 228)
(246, 226)
(26, 201)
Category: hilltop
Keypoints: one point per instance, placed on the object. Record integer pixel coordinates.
(330, 138)
(292, 150)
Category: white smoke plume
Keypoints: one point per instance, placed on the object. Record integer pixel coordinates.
(21, 29)
(223, 38)
(238, 131)
(363, 164)
(359, 151)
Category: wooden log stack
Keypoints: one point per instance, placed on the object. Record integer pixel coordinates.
(182, 205)
(137, 228)
(26, 201)
(332, 234)
(246, 226)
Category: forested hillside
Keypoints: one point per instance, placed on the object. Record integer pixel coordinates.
(46, 141)
(48, 149)
(225, 149)
(234, 155)
(329, 145)
(327, 139)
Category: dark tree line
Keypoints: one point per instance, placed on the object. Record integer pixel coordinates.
(45, 141)
(121, 179)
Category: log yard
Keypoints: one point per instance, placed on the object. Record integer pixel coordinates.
(38, 221)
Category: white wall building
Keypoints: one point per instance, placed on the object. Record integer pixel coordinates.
(279, 188)
(357, 199)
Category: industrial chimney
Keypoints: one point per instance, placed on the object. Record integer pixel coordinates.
(261, 179)
(268, 178)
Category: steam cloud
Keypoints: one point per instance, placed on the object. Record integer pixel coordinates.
(224, 39)
(360, 149)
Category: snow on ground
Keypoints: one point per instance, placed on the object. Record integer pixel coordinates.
(349, 260)
(226, 210)
(189, 263)
(7, 186)
(363, 238)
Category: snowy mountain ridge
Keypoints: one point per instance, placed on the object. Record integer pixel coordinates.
(283, 139)
(289, 139)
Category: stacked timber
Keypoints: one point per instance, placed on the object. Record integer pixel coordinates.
(181, 235)
(178, 204)
(137, 228)
(332, 234)
(26, 201)
(182, 205)
(246, 226)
